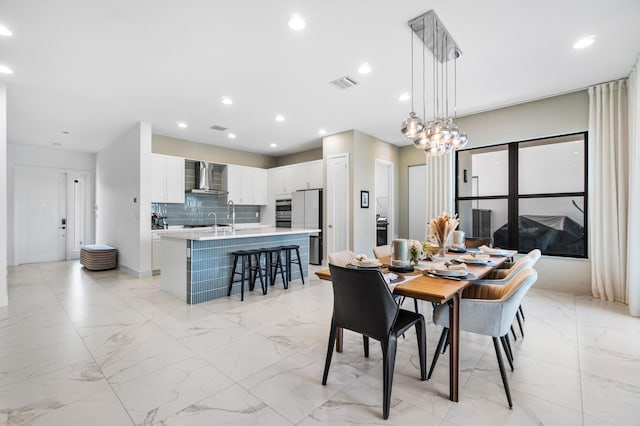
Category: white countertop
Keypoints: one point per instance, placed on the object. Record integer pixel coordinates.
(203, 234)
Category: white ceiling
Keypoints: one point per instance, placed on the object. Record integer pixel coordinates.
(95, 68)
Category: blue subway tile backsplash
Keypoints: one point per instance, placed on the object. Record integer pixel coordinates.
(200, 209)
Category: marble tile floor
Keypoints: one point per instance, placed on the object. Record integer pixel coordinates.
(103, 348)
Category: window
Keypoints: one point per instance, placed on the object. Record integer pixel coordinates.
(526, 195)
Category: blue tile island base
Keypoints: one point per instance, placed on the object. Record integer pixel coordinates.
(198, 268)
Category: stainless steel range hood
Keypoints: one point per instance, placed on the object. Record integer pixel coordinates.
(206, 182)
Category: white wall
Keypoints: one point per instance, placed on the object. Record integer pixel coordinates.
(4, 298)
(123, 198)
(54, 158)
(366, 149)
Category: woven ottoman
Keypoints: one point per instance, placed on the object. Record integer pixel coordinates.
(99, 257)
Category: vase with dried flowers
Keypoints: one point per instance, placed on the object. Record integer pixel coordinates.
(441, 229)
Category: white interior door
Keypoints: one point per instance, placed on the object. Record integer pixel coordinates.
(337, 203)
(418, 202)
(40, 215)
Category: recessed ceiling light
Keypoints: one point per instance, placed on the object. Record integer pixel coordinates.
(57, 144)
(279, 118)
(182, 124)
(231, 135)
(296, 23)
(364, 68)
(227, 101)
(584, 42)
(273, 145)
(5, 70)
(322, 132)
(4, 31)
(65, 132)
(404, 97)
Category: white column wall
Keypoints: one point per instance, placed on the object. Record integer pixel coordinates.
(4, 298)
(123, 198)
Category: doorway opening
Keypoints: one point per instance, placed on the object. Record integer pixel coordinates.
(384, 201)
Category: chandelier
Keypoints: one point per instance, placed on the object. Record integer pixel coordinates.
(441, 134)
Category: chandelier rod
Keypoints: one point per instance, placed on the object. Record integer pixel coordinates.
(412, 104)
(424, 82)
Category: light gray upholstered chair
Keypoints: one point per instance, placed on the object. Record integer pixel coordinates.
(488, 310)
(341, 258)
(382, 251)
(530, 258)
(527, 261)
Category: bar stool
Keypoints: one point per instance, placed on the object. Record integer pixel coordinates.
(288, 251)
(273, 263)
(246, 265)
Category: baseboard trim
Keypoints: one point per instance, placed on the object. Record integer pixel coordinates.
(135, 273)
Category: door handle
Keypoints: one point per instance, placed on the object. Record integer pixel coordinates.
(62, 227)
(330, 226)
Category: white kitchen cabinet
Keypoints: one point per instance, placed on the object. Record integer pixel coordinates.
(308, 175)
(246, 185)
(155, 255)
(155, 251)
(167, 179)
(282, 181)
(260, 187)
(287, 179)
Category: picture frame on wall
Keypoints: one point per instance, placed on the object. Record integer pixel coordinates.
(364, 199)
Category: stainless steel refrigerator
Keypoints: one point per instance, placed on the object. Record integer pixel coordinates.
(306, 212)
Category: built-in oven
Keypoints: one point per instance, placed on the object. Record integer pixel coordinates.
(283, 213)
(382, 224)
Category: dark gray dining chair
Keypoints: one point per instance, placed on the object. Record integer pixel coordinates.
(363, 303)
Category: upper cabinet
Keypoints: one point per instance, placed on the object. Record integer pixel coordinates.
(167, 179)
(287, 179)
(246, 185)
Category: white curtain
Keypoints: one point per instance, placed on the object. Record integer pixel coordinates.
(609, 189)
(633, 247)
(439, 185)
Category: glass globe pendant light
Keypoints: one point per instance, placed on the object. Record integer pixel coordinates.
(413, 125)
(440, 135)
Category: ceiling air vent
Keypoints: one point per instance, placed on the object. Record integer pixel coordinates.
(344, 82)
(218, 128)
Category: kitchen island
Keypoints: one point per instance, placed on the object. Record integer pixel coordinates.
(196, 265)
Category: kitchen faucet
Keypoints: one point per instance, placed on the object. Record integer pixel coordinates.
(215, 218)
(232, 207)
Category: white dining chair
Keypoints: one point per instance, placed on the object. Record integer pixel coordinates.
(381, 252)
(341, 258)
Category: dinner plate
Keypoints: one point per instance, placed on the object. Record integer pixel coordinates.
(477, 262)
(480, 259)
(495, 252)
(458, 273)
(369, 263)
(500, 253)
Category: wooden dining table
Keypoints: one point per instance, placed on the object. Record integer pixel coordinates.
(439, 290)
